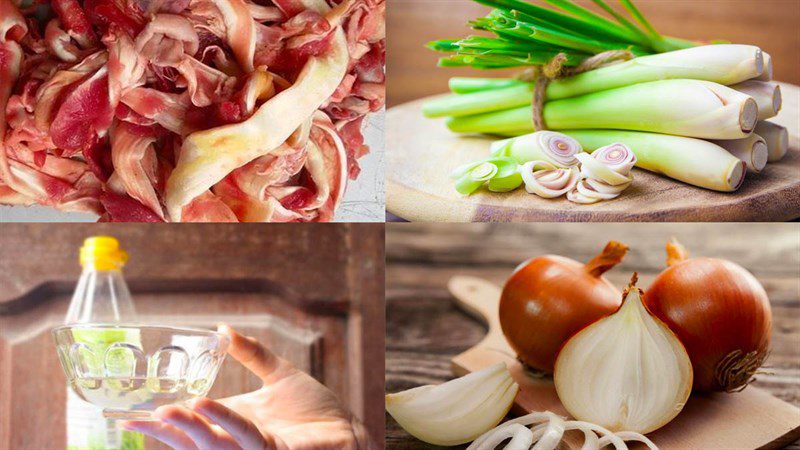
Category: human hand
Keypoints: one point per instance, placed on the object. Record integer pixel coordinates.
(292, 411)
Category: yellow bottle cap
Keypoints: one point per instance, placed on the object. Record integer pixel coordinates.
(102, 253)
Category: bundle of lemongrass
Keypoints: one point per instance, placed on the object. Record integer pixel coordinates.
(695, 113)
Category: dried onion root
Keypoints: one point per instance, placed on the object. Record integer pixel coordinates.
(606, 172)
(546, 432)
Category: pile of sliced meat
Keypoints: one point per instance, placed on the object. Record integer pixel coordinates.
(187, 110)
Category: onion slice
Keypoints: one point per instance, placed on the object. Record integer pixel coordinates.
(548, 429)
(458, 411)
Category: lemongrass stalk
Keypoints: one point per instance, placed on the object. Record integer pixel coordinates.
(479, 102)
(766, 74)
(752, 150)
(554, 148)
(466, 85)
(723, 64)
(694, 161)
(776, 137)
(682, 107)
(767, 96)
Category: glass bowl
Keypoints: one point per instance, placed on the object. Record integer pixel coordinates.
(130, 370)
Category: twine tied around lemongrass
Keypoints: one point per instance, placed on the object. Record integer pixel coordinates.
(554, 69)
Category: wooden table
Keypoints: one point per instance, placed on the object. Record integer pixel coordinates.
(424, 329)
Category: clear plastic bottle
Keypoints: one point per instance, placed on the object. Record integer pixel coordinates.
(101, 296)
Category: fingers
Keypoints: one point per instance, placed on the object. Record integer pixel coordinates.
(163, 432)
(198, 430)
(254, 356)
(243, 431)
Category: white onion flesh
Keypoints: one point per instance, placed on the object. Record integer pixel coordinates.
(547, 431)
(641, 375)
(457, 411)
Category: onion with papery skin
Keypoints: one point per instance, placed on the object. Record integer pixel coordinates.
(721, 314)
(627, 371)
(550, 298)
(458, 411)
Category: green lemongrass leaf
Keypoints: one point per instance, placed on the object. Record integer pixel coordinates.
(443, 45)
(560, 19)
(507, 24)
(484, 62)
(465, 85)
(622, 20)
(590, 17)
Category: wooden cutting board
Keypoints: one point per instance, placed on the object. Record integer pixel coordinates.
(422, 152)
(751, 419)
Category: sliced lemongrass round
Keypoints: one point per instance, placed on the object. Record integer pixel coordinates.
(501, 173)
(548, 183)
(618, 157)
(591, 167)
(555, 148)
(584, 194)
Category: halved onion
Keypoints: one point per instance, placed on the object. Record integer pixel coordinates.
(627, 371)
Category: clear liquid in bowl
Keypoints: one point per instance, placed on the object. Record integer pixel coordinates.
(135, 398)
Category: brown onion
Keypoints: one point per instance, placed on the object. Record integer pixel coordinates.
(550, 298)
(720, 313)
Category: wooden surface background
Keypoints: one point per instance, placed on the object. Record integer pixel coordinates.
(313, 293)
(770, 24)
(425, 330)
